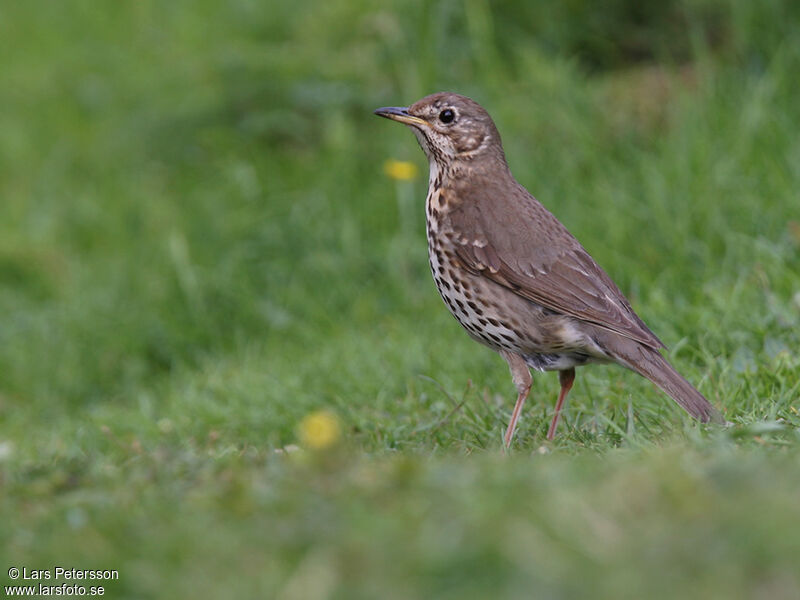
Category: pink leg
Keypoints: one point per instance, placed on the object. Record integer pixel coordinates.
(566, 378)
(521, 375)
(512, 424)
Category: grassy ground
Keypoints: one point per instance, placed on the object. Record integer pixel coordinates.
(199, 249)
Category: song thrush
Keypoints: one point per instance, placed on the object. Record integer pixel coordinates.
(512, 274)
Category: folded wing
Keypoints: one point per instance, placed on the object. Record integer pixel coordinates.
(510, 239)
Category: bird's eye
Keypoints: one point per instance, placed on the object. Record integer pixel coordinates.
(447, 116)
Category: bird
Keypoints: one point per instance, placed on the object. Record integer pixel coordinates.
(513, 276)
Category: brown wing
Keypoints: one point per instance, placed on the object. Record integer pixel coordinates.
(513, 240)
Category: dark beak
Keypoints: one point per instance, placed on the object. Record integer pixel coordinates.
(399, 113)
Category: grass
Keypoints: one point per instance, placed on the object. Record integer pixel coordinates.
(199, 248)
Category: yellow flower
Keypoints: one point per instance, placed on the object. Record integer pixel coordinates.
(400, 169)
(319, 430)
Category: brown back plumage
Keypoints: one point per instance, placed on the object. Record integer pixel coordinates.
(523, 247)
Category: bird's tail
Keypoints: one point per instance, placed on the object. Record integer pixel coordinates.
(649, 363)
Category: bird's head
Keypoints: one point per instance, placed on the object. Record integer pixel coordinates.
(449, 127)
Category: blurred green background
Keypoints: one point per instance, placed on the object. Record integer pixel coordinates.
(199, 249)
